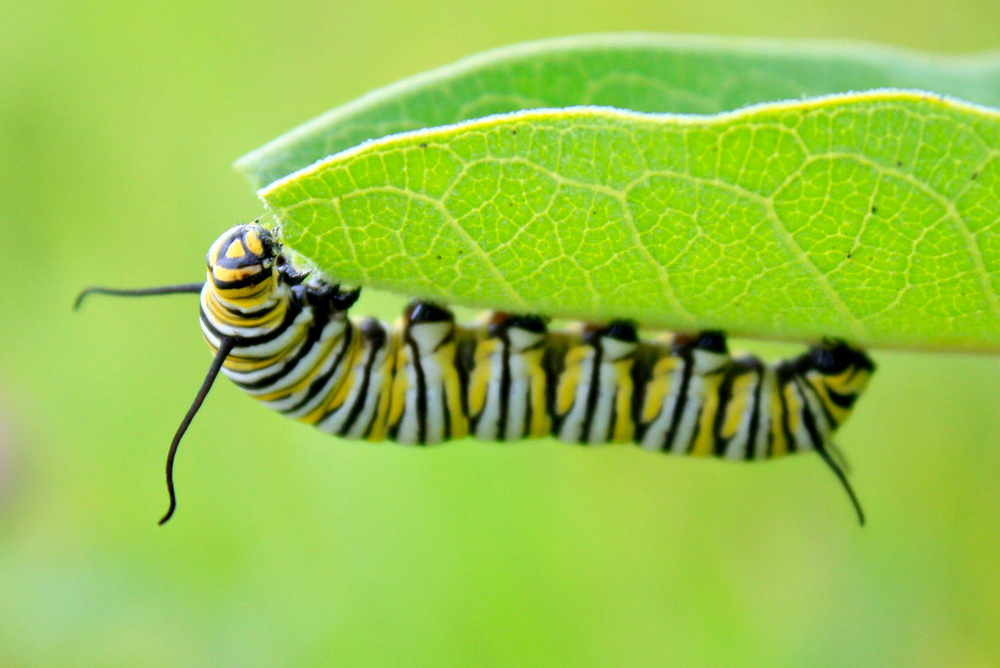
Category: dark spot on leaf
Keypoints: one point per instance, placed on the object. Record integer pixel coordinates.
(899, 163)
(513, 132)
(438, 256)
(423, 144)
(874, 209)
(975, 175)
(848, 256)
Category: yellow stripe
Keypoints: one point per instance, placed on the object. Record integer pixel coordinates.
(384, 396)
(658, 387)
(779, 444)
(569, 381)
(624, 427)
(739, 404)
(480, 377)
(541, 423)
(253, 242)
(399, 384)
(704, 443)
(444, 357)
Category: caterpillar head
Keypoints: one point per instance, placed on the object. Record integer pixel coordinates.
(243, 262)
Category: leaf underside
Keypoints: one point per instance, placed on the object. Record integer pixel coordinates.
(872, 217)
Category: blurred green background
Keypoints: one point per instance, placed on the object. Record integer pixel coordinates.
(118, 124)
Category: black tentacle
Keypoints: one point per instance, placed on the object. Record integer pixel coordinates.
(225, 347)
(139, 292)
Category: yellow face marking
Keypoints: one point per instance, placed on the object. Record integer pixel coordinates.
(235, 250)
(253, 242)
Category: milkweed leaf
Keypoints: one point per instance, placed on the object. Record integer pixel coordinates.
(870, 216)
(873, 217)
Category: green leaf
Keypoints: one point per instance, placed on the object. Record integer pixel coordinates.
(873, 217)
(654, 73)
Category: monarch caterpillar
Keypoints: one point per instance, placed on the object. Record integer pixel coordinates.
(283, 335)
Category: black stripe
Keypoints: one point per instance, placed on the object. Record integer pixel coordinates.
(845, 401)
(250, 341)
(253, 279)
(371, 422)
(385, 392)
(224, 246)
(249, 315)
(784, 375)
(682, 392)
(757, 368)
(830, 421)
(809, 419)
(554, 364)
(725, 393)
(530, 390)
(465, 360)
(421, 407)
(592, 392)
(529, 409)
(614, 416)
(445, 413)
(642, 373)
(504, 387)
(313, 334)
(375, 335)
(319, 383)
(446, 387)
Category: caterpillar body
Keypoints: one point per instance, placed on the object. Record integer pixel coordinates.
(285, 338)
